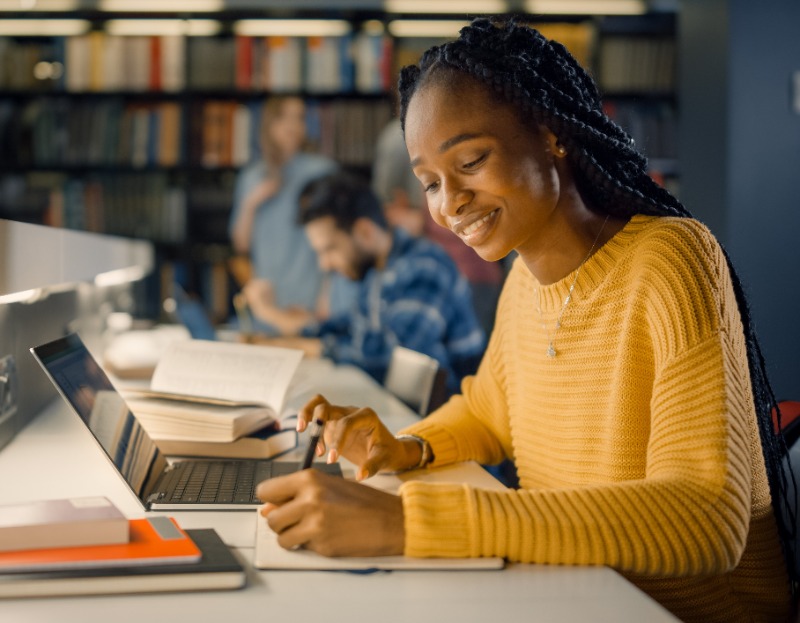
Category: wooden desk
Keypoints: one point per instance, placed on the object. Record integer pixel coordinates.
(55, 456)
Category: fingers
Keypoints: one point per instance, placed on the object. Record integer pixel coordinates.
(266, 509)
(351, 432)
(361, 423)
(291, 503)
(370, 467)
(278, 491)
(319, 408)
(336, 517)
(306, 413)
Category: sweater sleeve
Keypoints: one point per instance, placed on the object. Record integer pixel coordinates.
(688, 515)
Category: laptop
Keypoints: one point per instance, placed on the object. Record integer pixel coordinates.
(186, 484)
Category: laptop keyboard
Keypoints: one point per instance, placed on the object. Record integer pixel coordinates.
(223, 482)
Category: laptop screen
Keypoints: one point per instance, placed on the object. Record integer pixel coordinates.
(82, 382)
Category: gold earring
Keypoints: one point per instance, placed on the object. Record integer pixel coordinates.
(560, 151)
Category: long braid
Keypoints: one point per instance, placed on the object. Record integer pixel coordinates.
(548, 87)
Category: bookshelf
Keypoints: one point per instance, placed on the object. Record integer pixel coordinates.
(143, 135)
(635, 65)
(115, 119)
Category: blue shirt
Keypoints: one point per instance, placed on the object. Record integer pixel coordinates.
(279, 249)
(418, 300)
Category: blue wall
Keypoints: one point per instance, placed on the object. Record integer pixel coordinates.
(740, 157)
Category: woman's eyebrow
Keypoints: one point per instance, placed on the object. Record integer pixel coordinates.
(451, 142)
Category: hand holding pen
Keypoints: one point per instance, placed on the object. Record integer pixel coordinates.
(357, 434)
(315, 431)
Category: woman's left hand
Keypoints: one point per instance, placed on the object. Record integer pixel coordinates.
(332, 516)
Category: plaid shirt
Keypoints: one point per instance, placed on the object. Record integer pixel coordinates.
(420, 301)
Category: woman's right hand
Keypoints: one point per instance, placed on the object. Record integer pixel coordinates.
(358, 434)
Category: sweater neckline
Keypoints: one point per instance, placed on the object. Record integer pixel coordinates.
(594, 270)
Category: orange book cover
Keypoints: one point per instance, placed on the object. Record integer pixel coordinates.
(155, 540)
(244, 62)
(154, 78)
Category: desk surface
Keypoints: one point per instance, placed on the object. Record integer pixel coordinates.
(55, 456)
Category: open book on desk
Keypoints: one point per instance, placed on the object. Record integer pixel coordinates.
(270, 555)
(214, 391)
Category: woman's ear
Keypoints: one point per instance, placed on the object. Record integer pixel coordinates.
(554, 146)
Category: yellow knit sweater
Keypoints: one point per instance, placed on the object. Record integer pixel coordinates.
(636, 446)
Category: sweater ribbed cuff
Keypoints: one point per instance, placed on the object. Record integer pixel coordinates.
(437, 520)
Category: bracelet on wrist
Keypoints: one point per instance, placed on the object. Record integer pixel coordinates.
(426, 456)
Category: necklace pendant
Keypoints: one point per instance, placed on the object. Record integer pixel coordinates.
(551, 351)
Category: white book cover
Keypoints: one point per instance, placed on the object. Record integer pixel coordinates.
(112, 77)
(324, 65)
(285, 64)
(76, 63)
(173, 63)
(67, 522)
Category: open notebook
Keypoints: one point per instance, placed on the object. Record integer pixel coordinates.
(270, 555)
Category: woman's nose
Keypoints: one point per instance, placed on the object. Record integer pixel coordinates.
(455, 198)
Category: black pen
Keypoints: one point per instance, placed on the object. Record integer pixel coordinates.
(315, 430)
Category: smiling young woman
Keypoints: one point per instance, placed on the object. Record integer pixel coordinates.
(623, 376)
(499, 184)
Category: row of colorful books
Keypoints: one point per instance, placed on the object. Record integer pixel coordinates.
(210, 133)
(100, 62)
(86, 546)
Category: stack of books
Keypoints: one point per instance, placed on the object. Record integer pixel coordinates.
(218, 399)
(86, 546)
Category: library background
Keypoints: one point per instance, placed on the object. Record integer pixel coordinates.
(133, 117)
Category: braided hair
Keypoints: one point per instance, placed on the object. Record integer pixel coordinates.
(547, 87)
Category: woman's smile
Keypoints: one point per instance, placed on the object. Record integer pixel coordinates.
(476, 231)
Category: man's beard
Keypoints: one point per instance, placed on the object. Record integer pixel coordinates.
(362, 264)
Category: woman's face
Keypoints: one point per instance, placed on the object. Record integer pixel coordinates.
(487, 177)
(287, 131)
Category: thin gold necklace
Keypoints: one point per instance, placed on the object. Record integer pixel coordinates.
(551, 338)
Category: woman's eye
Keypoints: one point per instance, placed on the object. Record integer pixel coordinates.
(474, 163)
(431, 187)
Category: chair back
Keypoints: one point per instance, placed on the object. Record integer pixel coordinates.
(790, 429)
(416, 379)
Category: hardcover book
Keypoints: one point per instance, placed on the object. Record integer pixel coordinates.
(204, 390)
(68, 522)
(265, 443)
(217, 569)
(155, 540)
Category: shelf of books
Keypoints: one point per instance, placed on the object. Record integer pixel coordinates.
(635, 64)
(105, 132)
(143, 135)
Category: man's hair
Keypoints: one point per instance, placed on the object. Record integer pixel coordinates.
(548, 88)
(343, 196)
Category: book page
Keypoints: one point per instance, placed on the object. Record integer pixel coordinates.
(245, 373)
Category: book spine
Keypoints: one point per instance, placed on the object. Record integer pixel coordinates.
(244, 62)
(154, 79)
